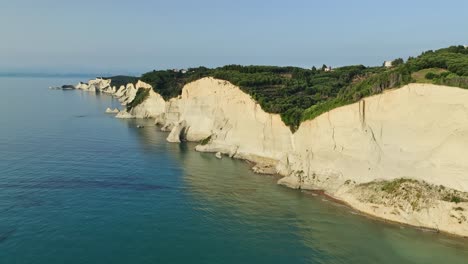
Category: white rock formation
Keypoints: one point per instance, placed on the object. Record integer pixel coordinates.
(419, 131)
(152, 107)
(112, 111)
(237, 124)
(178, 133)
(97, 84)
(124, 115)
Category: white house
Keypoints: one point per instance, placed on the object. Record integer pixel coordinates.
(388, 64)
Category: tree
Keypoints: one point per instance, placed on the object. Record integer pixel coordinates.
(431, 75)
(397, 62)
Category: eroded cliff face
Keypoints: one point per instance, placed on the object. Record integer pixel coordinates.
(97, 84)
(152, 107)
(418, 132)
(230, 122)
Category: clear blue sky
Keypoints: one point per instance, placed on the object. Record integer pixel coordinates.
(135, 36)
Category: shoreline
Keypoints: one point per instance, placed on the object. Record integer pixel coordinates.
(293, 170)
(336, 200)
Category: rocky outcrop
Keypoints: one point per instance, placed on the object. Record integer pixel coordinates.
(417, 132)
(152, 107)
(112, 111)
(178, 132)
(96, 85)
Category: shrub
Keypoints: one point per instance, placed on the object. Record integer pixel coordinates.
(455, 199)
(140, 96)
(205, 141)
(431, 76)
(393, 186)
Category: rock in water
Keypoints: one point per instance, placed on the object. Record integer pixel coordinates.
(112, 111)
(218, 155)
(124, 115)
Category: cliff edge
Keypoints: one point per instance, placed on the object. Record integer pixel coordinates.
(399, 155)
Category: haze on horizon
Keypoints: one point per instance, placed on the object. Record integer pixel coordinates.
(131, 37)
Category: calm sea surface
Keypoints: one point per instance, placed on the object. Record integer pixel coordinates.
(79, 186)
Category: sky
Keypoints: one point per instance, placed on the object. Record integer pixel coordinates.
(132, 37)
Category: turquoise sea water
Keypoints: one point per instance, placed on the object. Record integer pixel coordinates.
(79, 186)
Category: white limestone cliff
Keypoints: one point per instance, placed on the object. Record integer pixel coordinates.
(98, 84)
(419, 132)
(152, 107)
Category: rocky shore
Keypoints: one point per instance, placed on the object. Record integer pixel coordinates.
(399, 155)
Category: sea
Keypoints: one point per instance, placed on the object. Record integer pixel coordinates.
(80, 186)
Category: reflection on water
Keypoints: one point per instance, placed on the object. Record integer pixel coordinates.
(79, 186)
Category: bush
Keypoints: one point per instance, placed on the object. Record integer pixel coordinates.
(431, 76)
(140, 96)
(120, 80)
(455, 199)
(205, 141)
(393, 186)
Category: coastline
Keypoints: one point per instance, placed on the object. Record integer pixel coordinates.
(186, 119)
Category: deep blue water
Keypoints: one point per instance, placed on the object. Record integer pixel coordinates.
(79, 186)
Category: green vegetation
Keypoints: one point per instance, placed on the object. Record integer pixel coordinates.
(447, 66)
(169, 83)
(427, 75)
(140, 96)
(453, 198)
(393, 186)
(205, 141)
(288, 91)
(402, 194)
(120, 80)
(299, 94)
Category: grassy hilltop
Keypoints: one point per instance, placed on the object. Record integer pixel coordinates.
(299, 94)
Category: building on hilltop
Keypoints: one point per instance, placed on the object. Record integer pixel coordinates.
(388, 64)
(180, 70)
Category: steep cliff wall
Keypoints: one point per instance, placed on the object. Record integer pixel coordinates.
(353, 153)
(152, 107)
(234, 123)
(419, 131)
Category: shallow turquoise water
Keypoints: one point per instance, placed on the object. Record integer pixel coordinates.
(78, 186)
